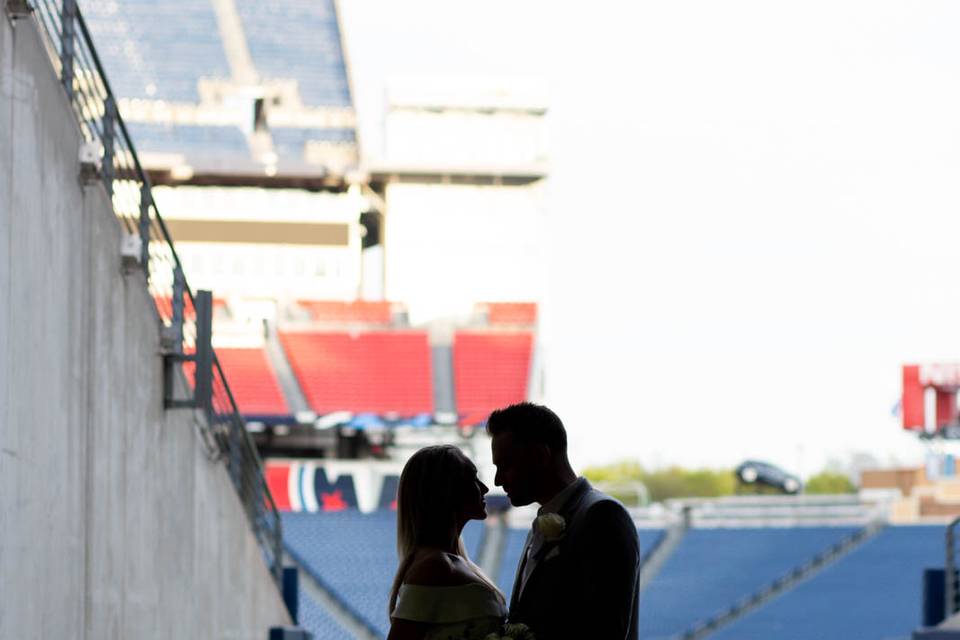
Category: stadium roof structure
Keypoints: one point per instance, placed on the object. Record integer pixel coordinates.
(231, 91)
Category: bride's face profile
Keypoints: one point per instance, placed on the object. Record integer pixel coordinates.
(473, 506)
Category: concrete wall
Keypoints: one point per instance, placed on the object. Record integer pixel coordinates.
(113, 523)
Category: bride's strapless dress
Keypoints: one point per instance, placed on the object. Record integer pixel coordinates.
(466, 612)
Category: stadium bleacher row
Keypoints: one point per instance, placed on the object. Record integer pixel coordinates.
(371, 372)
(298, 39)
(354, 556)
(151, 50)
(164, 52)
(872, 592)
(371, 368)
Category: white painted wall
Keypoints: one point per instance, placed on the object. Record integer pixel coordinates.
(113, 523)
(450, 246)
(279, 272)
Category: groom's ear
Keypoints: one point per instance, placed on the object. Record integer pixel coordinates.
(542, 453)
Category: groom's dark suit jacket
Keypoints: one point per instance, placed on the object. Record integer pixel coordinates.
(586, 584)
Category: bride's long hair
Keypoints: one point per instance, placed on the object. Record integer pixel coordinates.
(427, 501)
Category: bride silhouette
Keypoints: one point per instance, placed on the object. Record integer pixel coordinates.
(438, 592)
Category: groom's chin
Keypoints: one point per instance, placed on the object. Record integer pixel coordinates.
(519, 501)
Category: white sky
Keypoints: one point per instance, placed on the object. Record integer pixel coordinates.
(772, 192)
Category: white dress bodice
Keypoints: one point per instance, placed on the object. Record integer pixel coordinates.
(465, 612)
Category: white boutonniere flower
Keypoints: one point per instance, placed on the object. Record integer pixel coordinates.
(551, 526)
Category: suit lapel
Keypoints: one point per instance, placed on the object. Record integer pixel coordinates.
(568, 511)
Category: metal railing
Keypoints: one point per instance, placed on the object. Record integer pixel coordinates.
(116, 164)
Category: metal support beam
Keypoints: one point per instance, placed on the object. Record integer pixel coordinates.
(203, 383)
(68, 31)
(109, 138)
(146, 199)
(202, 358)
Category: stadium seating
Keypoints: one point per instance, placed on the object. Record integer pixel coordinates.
(712, 569)
(649, 539)
(156, 50)
(253, 382)
(190, 140)
(518, 313)
(292, 141)
(490, 370)
(354, 555)
(372, 372)
(318, 621)
(874, 592)
(510, 560)
(298, 39)
(357, 311)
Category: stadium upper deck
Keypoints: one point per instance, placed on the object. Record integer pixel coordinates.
(256, 87)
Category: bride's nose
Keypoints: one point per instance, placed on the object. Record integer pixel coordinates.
(484, 490)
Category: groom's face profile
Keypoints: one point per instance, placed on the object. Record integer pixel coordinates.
(518, 465)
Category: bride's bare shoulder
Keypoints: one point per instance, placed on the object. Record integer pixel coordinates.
(434, 568)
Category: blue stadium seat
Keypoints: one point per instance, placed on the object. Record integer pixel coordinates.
(188, 139)
(355, 555)
(291, 141)
(649, 539)
(298, 39)
(874, 592)
(321, 624)
(157, 50)
(510, 560)
(712, 569)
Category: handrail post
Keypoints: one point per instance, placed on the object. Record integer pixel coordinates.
(146, 200)
(68, 30)
(109, 134)
(176, 322)
(278, 548)
(203, 372)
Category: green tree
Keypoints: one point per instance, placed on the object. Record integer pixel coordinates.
(672, 482)
(830, 482)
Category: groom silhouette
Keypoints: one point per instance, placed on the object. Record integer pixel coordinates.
(578, 574)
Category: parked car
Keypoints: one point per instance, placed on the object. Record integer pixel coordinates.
(757, 472)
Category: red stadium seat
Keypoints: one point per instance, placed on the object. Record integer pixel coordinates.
(490, 370)
(372, 372)
(253, 381)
